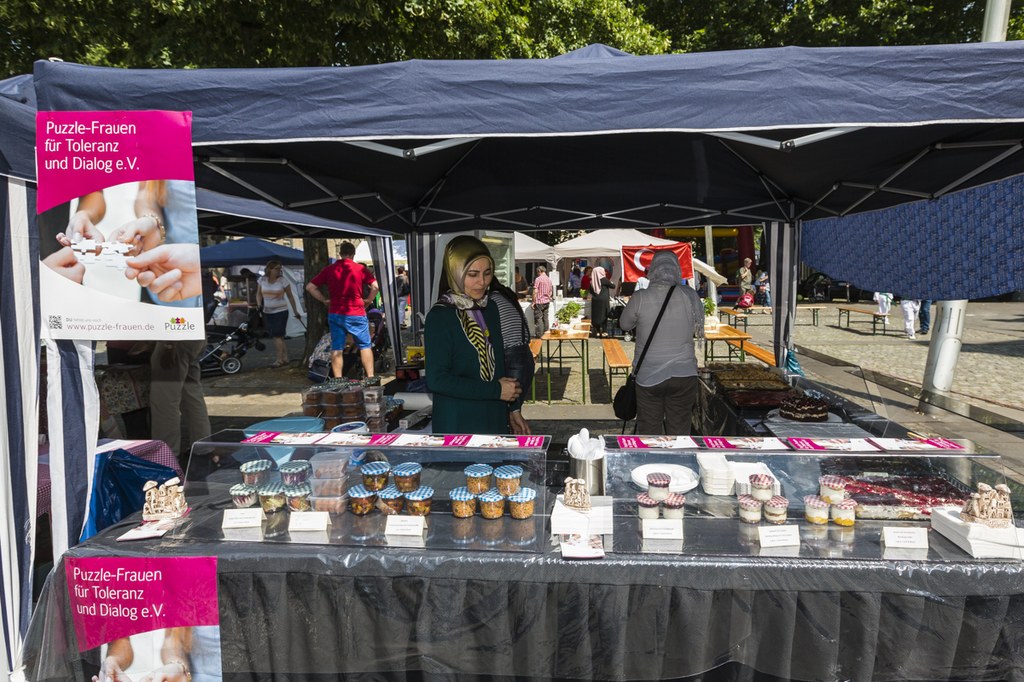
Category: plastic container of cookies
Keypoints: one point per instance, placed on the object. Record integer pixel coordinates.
(330, 464)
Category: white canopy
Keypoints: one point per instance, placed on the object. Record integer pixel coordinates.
(528, 248)
(609, 243)
(397, 249)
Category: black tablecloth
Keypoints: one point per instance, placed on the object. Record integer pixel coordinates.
(301, 610)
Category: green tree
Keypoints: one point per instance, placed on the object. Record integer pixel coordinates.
(269, 33)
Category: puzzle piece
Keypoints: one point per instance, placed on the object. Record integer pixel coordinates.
(108, 254)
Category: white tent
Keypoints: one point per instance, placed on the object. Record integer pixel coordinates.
(397, 250)
(528, 248)
(609, 243)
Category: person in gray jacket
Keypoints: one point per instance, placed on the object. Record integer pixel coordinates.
(666, 385)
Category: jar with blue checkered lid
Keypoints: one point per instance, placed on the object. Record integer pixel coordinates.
(478, 478)
(294, 473)
(463, 503)
(375, 475)
(506, 479)
(391, 500)
(256, 472)
(243, 495)
(298, 497)
(361, 500)
(492, 504)
(272, 497)
(418, 502)
(407, 476)
(520, 505)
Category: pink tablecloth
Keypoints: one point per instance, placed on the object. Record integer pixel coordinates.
(155, 451)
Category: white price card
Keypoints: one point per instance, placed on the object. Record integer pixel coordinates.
(663, 529)
(779, 536)
(406, 525)
(309, 520)
(905, 537)
(243, 518)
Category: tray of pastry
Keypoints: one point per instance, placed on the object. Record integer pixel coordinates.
(758, 398)
(753, 384)
(895, 488)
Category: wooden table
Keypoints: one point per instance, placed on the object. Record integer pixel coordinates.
(583, 353)
(724, 333)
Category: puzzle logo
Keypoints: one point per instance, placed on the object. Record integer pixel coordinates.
(179, 324)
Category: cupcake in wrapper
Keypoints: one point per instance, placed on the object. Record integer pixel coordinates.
(361, 500)
(507, 478)
(272, 497)
(392, 499)
(761, 487)
(657, 485)
(419, 501)
(243, 495)
(298, 497)
(672, 506)
(463, 503)
(492, 504)
(256, 472)
(844, 512)
(375, 475)
(776, 509)
(520, 505)
(294, 473)
(750, 509)
(833, 488)
(815, 509)
(407, 476)
(478, 478)
(647, 507)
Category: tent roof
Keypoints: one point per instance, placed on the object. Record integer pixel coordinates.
(528, 248)
(590, 140)
(248, 251)
(606, 243)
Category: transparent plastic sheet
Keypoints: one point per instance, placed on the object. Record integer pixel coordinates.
(303, 611)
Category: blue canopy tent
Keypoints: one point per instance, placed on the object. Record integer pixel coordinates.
(246, 251)
(596, 138)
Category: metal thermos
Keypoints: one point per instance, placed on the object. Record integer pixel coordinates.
(590, 470)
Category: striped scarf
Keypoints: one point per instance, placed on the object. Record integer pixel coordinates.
(475, 329)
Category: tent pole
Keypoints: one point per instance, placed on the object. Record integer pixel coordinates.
(709, 250)
(950, 316)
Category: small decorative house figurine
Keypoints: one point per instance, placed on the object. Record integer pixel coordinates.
(576, 495)
(164, 501)
(990, 507)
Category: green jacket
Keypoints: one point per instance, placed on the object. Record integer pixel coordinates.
(463, 402)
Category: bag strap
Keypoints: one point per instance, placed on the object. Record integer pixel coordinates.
(654, 329)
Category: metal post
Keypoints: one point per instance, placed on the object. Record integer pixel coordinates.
(709, 248)
(948, 328)
(943, 351)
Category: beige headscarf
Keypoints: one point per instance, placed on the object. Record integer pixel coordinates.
(458, 255)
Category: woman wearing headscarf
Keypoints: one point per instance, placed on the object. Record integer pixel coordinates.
(600, 287)
(464, 350)
(666, 384)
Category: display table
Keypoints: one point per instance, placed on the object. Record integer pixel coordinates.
(833, 608)
(724, 332)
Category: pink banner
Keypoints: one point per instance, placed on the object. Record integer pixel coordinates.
(943, 444)
(78, 152)
(115, 597)
(262, 437)
(715, 442)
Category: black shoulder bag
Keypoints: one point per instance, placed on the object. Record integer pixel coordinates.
(624, 402)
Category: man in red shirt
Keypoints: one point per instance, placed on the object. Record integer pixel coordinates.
(346, 280)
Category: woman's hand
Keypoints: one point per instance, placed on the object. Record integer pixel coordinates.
(110, 671)
(509, 389)
(518, 424)
(142, 233)
(80, 227)
(171, 271)
(65, 262)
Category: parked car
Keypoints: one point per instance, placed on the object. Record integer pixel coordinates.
(818, 287)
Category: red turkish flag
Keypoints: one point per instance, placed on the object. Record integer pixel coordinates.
(636, 259)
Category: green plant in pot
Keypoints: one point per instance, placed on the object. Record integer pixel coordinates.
(709, 307)
(568, 311)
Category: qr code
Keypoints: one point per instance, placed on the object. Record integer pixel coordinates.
(56, 322)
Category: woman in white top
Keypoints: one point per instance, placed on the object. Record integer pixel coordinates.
(274, 295)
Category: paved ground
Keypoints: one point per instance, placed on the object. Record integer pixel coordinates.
(987, 403)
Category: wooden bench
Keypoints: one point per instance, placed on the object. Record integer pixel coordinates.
(751, 348)
(877, 318)
(815, 309)
(615, 359)
(736, 316)
(535, 346)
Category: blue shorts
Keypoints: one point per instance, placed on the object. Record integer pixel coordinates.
(356, 325)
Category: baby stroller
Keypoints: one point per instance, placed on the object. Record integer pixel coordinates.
(615, 307)
(320, 360)
(226, 346)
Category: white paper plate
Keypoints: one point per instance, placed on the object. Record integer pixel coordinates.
(684, 479)
(774, 416)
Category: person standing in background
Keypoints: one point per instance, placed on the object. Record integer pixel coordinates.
(600, 288)
(520, 284)
(346, 280)
(884, 301)
(574, 282)
(744, 277)
(404, 289)
(542, 293)
(910, 307)
(270, 296)
(925, 315)
(177, 403)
